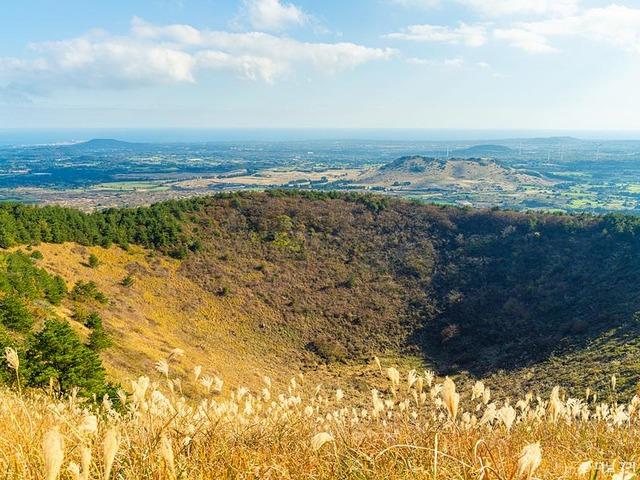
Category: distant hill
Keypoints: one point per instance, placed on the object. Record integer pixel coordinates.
(105, 144)
(554, 140)
(471, 173)
(483, 151)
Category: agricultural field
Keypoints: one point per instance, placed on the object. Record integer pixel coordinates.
(553, 174)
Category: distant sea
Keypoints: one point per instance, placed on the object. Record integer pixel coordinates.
(53, 136)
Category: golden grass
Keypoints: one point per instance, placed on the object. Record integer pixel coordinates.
(412, 426)
(163, 310)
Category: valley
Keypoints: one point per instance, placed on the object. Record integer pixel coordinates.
(324, 282)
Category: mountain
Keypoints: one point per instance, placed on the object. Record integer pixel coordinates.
(281, 281)
(417, 172)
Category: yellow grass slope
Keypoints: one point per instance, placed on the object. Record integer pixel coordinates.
(162, 311)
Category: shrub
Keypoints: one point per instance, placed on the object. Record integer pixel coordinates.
(18, 274)
(329, 349)
(92, 320)
(350, 282)
(196, 246)
(56, 290)
(179, 253)
(37, 255)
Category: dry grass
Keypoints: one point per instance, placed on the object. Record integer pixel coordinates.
(163, 310)
(412, 426)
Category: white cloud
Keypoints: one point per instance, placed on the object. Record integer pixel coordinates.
(282, 53)
(524, 39)
(417, 3)
(176, 54)
(273, 15)
(247, 66)
(470, 35)
(456, 62)
(179, 33)
(105, 61)
(496, 8)
(616, 25)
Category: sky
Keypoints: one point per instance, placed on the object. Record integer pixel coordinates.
(419, 64)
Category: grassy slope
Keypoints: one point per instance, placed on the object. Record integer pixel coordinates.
(164, 310)
(161, 311)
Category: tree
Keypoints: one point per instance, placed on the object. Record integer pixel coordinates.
(93, 261)
(98, 338)
(56, 290)
(57, 353)
(87, 291)
(14, 314)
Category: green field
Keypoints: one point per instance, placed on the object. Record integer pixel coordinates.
(132, 186)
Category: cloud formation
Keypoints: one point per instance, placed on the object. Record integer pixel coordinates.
(470, 35)
(447, 62)
(615, 25)
(152, 54)
(524, 39)
(498, 8)
(273, 15)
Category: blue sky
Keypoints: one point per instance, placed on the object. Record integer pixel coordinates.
(478, 64)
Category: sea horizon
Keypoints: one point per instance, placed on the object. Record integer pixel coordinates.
(39, 136)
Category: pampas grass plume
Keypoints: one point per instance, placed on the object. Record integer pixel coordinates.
(109, 450)
(53, 452)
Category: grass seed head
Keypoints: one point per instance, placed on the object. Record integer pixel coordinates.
(11, 356)
(53, 452)
(450, 397)
(109, 450)
(320, 439)
(166, 451)
(529, 461)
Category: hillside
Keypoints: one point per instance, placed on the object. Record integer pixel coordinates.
(416, 172)
(282, 281)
